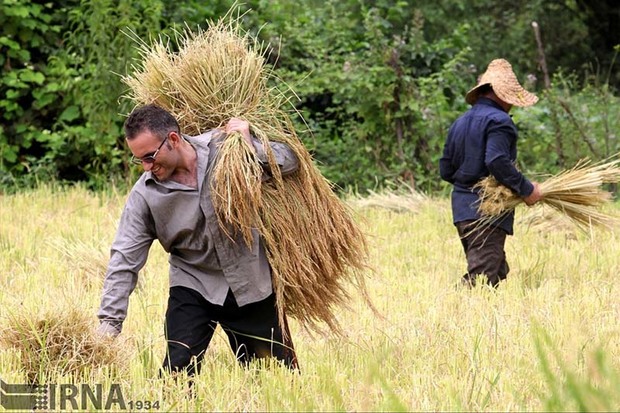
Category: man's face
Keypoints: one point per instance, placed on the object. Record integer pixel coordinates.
(154, 153)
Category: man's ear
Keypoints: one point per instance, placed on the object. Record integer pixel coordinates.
(174, 138)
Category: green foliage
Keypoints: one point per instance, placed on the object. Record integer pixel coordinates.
(379, 82)
(99, 52)
(504, 29)
(61, 88)
(572, 121)
(373, 91)
(29, 33)
(193, 11)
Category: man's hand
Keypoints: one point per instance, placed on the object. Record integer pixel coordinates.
(535, 196)
(107, 330)
(241, 126)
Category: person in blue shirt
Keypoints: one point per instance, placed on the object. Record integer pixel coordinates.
(483, 142)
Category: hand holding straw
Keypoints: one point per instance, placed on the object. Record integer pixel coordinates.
(576, 192)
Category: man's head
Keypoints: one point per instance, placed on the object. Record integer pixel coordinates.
(153, 118)
(153, 137)
(500, 78)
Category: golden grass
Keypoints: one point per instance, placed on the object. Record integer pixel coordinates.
(576, 193)
(88, 261)
(544, 220)
(313, 244)
(437, 348)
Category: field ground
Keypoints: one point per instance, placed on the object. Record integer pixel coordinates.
(534, 344)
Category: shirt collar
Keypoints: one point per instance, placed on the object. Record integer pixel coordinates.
(488, 102)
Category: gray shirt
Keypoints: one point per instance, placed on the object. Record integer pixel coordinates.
(183, 220)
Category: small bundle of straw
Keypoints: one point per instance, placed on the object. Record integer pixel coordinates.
(58, 342)
(403, 199)
(576, 193)
(313, 244)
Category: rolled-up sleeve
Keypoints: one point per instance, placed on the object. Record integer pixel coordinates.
(128, 255)
(285, 157)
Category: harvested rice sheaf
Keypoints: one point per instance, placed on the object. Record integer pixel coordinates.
(58, 342)
(314, 246)
(577, 193)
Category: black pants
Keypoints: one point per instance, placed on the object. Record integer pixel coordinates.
(253, 330)
(484, 249)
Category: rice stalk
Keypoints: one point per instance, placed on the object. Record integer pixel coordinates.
(313, 244)
(577, 193)
(239, 195)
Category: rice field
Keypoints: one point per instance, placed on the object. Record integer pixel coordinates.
(547, 339)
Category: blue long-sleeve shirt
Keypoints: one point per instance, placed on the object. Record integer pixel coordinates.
(482, 141)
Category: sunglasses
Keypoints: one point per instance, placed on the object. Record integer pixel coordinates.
(148, 158)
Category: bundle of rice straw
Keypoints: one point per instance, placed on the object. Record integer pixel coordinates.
(313, 244)
(577, 193)
(58, 341)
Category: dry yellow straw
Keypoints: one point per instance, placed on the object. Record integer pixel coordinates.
(58, 341)
(403, 199)
(576, 193)
(545, 220)
(314, 246)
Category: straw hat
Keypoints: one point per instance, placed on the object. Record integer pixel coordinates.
(504, 82)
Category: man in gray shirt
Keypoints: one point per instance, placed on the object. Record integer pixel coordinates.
(213, 279)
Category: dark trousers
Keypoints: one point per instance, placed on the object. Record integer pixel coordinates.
(484, 250)
(253, 330)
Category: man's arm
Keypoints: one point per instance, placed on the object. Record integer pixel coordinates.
(128, 255)
(446, 168)
(284, 155)
(497, 160)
